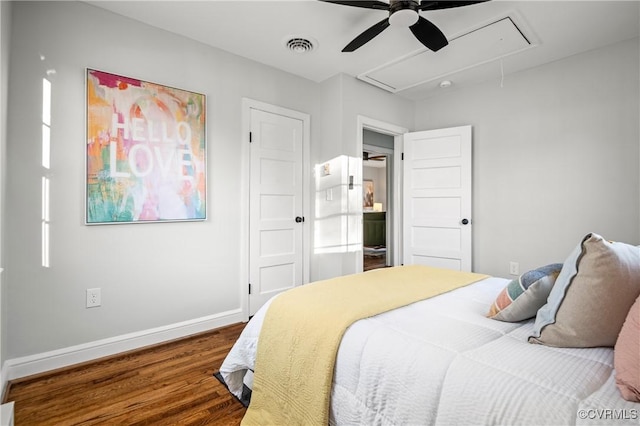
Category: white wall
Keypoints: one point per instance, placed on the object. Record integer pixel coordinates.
(343, 99)
(5, 31)
(556, 155)
(151, 275)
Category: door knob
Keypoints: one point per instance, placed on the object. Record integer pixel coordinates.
(465, 221)
(299, 219)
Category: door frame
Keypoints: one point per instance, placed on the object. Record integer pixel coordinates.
(396, 211)
(247, 105)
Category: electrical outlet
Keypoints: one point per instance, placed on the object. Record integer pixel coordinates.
(93, 297)
(514, 268)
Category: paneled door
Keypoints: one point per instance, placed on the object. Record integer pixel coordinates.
(276, 218)
(437, 198)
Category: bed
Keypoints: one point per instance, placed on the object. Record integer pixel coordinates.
(443, 361)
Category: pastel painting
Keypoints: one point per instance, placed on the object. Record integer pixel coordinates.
(146, 151)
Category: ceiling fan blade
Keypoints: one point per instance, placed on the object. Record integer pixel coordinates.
(429, 35)
(367, 35)
(380, 5)
(435, 5)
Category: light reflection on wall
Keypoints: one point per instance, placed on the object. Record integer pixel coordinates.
(337, 225)
(45, 222)
(46, 164)
(46, 123)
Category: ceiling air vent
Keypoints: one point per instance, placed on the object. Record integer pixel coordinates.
(299, 44)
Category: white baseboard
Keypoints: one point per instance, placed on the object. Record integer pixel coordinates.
(3, 381)
(39, 363)
(6, 414)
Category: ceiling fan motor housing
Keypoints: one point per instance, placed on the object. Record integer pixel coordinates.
(403, 13)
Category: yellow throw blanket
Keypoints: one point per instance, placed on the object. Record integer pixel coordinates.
(303, 328)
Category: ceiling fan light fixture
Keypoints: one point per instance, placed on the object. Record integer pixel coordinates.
(403, 18)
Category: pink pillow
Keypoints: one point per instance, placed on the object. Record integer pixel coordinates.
(626, 358)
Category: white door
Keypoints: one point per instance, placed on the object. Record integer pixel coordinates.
(437, 198)
(275, 206)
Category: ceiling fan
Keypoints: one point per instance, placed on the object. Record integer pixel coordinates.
(366, 156)
(404, 13)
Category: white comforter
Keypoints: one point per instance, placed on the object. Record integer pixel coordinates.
(441, 361)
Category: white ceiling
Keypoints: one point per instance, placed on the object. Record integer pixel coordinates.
(258, 30)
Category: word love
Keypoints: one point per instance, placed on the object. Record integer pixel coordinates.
(144, 158)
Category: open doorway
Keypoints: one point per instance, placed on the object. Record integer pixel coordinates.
(394, 184)
(377, 189)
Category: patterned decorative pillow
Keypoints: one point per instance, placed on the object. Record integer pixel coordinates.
(590, 300)
(626, 355)
(522, 297)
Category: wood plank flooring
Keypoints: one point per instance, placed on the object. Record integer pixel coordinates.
(166, 384)
(374, 262)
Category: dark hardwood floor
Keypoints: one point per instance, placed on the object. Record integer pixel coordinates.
(374, 262)
(166, 384)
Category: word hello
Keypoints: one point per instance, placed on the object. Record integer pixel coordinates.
(145, 132)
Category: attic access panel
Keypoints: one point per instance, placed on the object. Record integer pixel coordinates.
(495, 40)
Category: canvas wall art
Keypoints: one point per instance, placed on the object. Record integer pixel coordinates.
(146, 151)
(367, 198)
